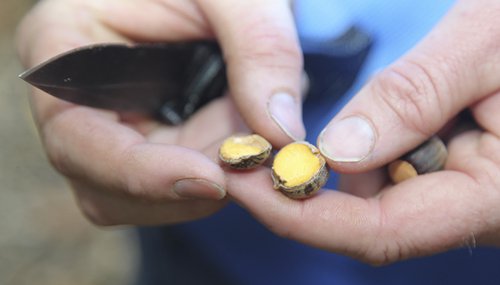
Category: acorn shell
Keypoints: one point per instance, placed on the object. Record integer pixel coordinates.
(247, 161)
(310, 187)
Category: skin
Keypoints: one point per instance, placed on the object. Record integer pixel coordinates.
(123, 167)
(119, 166)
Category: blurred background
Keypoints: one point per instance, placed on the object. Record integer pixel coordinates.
(43, 237)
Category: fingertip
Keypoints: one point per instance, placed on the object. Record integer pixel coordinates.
(173, 172)
(270, 102)
(279, 120)
(285, 112)
(350, 139)
(264, 65)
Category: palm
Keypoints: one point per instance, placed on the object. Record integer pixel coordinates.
(208, 126)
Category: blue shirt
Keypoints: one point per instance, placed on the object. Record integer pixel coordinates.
(231, 247)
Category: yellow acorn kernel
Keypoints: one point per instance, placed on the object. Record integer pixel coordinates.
(299, 170)
(244, 152)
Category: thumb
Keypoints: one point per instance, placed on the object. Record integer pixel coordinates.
(264, 64)
(452, 68)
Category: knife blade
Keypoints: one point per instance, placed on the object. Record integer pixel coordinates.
(169, 81)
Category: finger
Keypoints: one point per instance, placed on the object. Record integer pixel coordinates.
(56, 26)
(108, 209)
(486, 113)
(264, 64)
(105, 208)
(85, 145)
(53, 27)
(421, 217)
(363, 185)
(163, 20)
(402, 106)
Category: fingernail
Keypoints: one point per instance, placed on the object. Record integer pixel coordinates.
(285, 111)
(348, 140)
(197, 188)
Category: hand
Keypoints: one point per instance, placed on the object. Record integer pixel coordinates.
(132, 170)
(455, 67)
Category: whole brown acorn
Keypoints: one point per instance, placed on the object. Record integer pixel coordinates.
(428, 157)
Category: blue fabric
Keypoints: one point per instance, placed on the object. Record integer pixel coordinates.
(244, 252)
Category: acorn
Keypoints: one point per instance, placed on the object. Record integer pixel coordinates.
(428, 157)
(299, 170)
(244, 151)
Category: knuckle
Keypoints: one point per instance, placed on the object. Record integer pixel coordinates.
(140, 187)
(386, 244)
(56, 161)
(59, 160)
(268, 45)
(93, 206)
(383, 253)
(414, 94)
(97, 219)
(57, 151)
(97, 214)
(282, 230)
(289, 224)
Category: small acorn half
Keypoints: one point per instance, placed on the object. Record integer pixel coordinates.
(244, 152)
(299, 170)
(428, 157)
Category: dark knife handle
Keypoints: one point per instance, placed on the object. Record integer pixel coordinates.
(205, 81)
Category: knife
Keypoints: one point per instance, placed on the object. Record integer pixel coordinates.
(168, 81)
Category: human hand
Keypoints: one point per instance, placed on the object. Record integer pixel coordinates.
(132, 170)
(455, 67)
